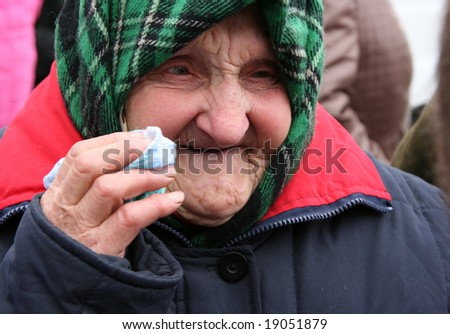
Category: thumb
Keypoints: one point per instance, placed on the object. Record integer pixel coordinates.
(120, 229)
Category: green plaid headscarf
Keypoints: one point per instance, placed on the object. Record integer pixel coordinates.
(104, 46)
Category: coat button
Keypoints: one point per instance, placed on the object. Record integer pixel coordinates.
(233, 267)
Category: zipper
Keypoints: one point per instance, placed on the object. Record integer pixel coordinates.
(18, 210)
(308, 218)
(261, 228)
(177, 234)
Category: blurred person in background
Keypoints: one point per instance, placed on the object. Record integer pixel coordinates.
(17, 55)
(422, 23)
(424, 151)
(367, 75)
(444, 106)
(417, 153)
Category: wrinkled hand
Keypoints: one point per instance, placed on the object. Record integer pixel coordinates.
(87, 198)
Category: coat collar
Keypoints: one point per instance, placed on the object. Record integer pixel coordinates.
(333, 167)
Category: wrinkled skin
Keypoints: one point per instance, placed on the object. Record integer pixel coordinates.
(220, 99)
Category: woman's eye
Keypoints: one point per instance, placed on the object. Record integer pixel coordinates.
(178, 70)
(262, 74)
(261, 79)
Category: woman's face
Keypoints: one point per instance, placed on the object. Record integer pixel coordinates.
(220, 99)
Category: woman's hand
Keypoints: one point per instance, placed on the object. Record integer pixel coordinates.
(87, 198)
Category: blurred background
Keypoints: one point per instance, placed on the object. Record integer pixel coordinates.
(422, 21)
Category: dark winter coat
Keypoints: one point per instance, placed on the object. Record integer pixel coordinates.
(347, 235)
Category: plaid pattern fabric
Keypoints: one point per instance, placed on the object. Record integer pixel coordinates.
(104, 46)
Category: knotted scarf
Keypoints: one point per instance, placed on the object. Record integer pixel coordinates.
(104, 46)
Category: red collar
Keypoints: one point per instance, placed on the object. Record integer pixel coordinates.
(40, 134)
(333, 166)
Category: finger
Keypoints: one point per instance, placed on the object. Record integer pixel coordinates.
(96, 142)
(119, 230)
(109, 191)
(80, 170)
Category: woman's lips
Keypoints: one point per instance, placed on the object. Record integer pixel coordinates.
(209, 150)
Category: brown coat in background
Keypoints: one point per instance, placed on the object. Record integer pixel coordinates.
(444, 106)
(424, 151)
(368, 72)
(417, 153)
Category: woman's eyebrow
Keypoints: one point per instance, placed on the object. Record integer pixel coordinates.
(264, 62)
(176, 58)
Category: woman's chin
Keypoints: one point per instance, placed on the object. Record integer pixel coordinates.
(212, 199)
(208, 215)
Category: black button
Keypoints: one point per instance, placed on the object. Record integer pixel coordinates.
(233, 267)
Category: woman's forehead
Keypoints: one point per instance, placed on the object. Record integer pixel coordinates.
(242, 34)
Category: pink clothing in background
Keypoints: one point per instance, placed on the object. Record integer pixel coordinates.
(17, 54)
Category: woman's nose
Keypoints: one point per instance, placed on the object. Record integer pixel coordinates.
(225, 116)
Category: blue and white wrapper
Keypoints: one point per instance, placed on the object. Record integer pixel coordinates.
(50, 177)
(161, 152)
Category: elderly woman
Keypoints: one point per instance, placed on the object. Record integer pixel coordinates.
(257, 216)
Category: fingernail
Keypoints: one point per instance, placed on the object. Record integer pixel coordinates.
(176, 196)
(168, 171)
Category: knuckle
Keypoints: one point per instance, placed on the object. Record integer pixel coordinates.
(75, 151)
(104, 188)
(126, 217)
(82, 165)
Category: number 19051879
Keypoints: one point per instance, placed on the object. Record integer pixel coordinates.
(295, 323)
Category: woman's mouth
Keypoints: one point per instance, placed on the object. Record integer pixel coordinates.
(208, 150)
